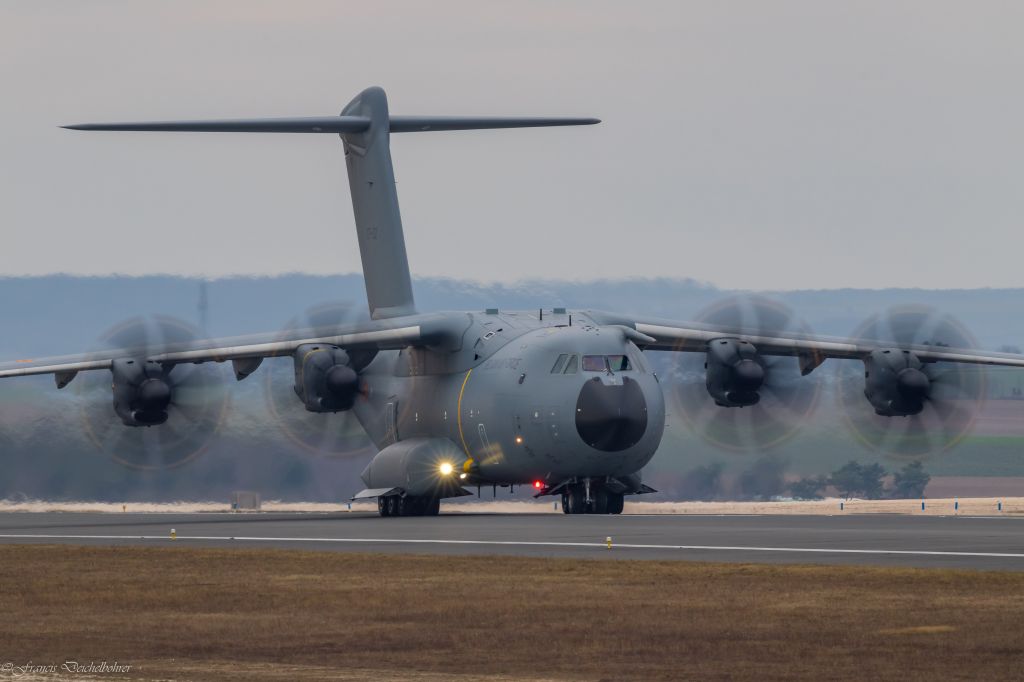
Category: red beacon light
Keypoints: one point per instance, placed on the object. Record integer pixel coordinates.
(538, 484)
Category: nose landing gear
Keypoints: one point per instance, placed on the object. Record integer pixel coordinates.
(575, 500)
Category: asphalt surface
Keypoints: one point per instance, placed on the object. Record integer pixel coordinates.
(886, 540)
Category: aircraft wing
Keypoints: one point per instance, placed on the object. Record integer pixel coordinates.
(658, 334)
(434, 330)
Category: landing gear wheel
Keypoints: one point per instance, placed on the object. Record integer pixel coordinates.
(397, 505)
(615, 502)
(565, 503)
(417, 506)
(599, 502)
(576, 501)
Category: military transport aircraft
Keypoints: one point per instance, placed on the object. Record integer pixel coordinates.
(564, 401)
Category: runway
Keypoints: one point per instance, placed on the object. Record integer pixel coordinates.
(885, 540)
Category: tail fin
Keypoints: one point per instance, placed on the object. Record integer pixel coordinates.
(364, 126)
(371, 179)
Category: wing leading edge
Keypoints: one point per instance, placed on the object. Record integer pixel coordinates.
(435, 330)
(813, 350)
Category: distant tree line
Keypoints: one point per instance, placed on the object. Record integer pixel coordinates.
(854, 479)
(765, 479)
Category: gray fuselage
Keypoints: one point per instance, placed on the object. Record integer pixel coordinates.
(527, 399)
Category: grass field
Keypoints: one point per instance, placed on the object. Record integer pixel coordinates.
(182, 614)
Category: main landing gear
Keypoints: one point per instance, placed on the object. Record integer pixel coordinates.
(574, 500)
(397, 505)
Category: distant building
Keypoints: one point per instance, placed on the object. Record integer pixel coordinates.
(242, 500)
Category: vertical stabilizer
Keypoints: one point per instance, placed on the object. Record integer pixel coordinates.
(371, 179)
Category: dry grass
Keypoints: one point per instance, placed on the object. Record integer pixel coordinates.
(180, 613)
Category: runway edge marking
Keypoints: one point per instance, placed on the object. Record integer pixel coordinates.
(518, 543)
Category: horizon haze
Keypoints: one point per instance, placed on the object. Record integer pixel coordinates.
(792, 145)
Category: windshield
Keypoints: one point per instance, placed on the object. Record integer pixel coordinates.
(618, 363)
(606, 363)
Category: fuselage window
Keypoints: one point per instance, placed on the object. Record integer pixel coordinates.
(573, 365)
(559, 364)
(594, 363)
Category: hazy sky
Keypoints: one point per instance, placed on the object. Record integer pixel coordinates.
(748, 144)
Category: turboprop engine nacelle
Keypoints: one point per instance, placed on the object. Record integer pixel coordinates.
(734, 372)
(419, 467)
(324, 380)
(142, 392)
(895, 382)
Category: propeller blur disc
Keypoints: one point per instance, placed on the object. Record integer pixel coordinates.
(787, 399)
(198, 405)
(330, 434)
(956, 396)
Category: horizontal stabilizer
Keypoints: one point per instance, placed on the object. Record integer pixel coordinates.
(415, 124)
(336, 124)
(364, 125)
(318, 124)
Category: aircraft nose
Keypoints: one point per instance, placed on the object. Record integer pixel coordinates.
(611, 418)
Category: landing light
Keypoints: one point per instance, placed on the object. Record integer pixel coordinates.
(519, 440)
(446, 468)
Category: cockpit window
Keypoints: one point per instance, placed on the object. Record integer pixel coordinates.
(606, 363)
(619, 363)
(573, 365)
(559, 364)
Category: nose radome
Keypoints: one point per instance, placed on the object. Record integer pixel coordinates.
(611, 418)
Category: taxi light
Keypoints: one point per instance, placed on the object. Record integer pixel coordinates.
(446, 468)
